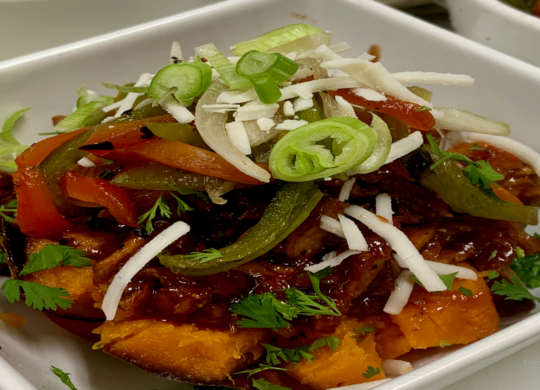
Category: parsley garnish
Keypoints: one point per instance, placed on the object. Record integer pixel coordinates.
(263, 384)
(492, 255)
(476, 147)
(182, 206)
(513, 291)
(262, 367)
(528, 269)
(479, 173)
(11, 207)
(443, 344)
(53, 256)
(274, 354)
(164, 211)
(64, 377)
(465, 291)
(363, 331)
(38, 296)
(423, 108)
(185, 191)
(332, 342)
(205, 255)
(492, 274)
(448, 280)
(371, 372)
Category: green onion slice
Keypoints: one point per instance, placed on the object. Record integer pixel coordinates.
(7, 130)
(276, 38)
(85, 96)
(382, 148)
(125, 88)
(8, 154)
(223, 66)
(322, 149)
(185, 81)
(78, 119)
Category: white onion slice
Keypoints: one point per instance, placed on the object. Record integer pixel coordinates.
(401, 244)
(332, 262)
(331, 225)
(136, 263)
(405, 146)
(523, 152)
(461, 80)
(396, 367)
(383, 206)
(353, 235)
(462, 120)
(238, 136)
(346, 189)
(401, 294)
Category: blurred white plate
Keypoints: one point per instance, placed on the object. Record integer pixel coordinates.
(47, 82)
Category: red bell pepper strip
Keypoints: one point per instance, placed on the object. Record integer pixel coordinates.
(35, 154)
(122, 135)
(404, 111)
(37, 215)
(99, 191)
(183, 156)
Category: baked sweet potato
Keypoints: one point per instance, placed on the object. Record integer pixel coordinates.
(182, 352)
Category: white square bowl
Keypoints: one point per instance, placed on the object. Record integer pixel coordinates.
(506, 90)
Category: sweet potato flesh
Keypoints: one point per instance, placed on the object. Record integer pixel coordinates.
(182, 351)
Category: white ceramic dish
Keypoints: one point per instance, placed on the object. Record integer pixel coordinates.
(497, 25)
(47, 82)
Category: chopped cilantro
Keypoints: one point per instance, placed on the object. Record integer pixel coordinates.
(53, 256)
(528, 269)
(261, 310)
(274, 354)
(465, 291)
(448, 280)
(149, 216)
(3, 257)
(262, 367)
(513, 291)
(476, 147)
(371, 372)
(185, 191)
(182, 206)
(38, 296)
(11, 208)
(423, 108)
(443, 344)
(492, 255)
(263, 384)
(205, 255)
(332, 342)
(363, 331)
(492, 274)
(64, 377)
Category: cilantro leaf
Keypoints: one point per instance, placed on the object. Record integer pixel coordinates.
(476, 147)
(262, 367)
(423, 108)
(205, 255)
(528, 269)
(492, 274)
(465, 291)
(38, 296)
(443, 344)
(53, 256)
(64, 377)
(263, 384)
(182, 206)
(306, 303)
(448, 280)
(261, 311)
(10, 207)
(164, 211)
(493, 254)
(331, 341)
(274, 354)
(365, 330)
(371, 372)
(513, 291)
(185, 191)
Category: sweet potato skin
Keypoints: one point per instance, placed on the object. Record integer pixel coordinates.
(182, 352)
(428, 319)
(345, 366)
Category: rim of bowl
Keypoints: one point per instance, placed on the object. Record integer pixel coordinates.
(508, 12)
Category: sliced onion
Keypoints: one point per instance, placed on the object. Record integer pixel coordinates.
(383, 205)
(396, 367)
(211, 126)
(461, 80)
(346, 189)
(332, 225)
(445, 269)
(401, 294)
(401, 244)
(136, 263)
(303, 45)
(238, 136)
(462, 120)
(405, 146)
(353, 235)
(382, 150)
(332, 262)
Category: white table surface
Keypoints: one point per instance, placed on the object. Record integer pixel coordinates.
(30, 26)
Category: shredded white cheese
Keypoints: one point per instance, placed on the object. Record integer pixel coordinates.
(345, 107)
(405, 146)
(253, 111)
(302, 104)
(353, 235)
(112, 106)
(265, 124)
(383, 207)
(396, 367)
(434, 78)
(331, 262)
(178, 111)
(401, 294)
(86, 162)
(445, 269)
(127, 104)
(332, 225)
(291, 124)
(291, 55)
(340, 47)
(346, 190)
(144, 103)
(401, 244)
(176, 53)
(238, 136)
(136, 263)
(369, 94)
(288, 108)
(221, 108)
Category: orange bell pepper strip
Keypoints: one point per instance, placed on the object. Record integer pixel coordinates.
(503, 194)
(404, 111)
(183, 156)
(35, 154)
(37, 216)
(122, 135)
(99, 191)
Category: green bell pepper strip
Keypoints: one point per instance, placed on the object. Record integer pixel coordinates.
(301, 154)
(181, 132)
(312, 114)
(185, 81)
(290, 207)
(125, 88)
(61, 160)
(223, 66)
(139, 113)
(451, 185)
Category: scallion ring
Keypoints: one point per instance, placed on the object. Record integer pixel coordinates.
(185, 81)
